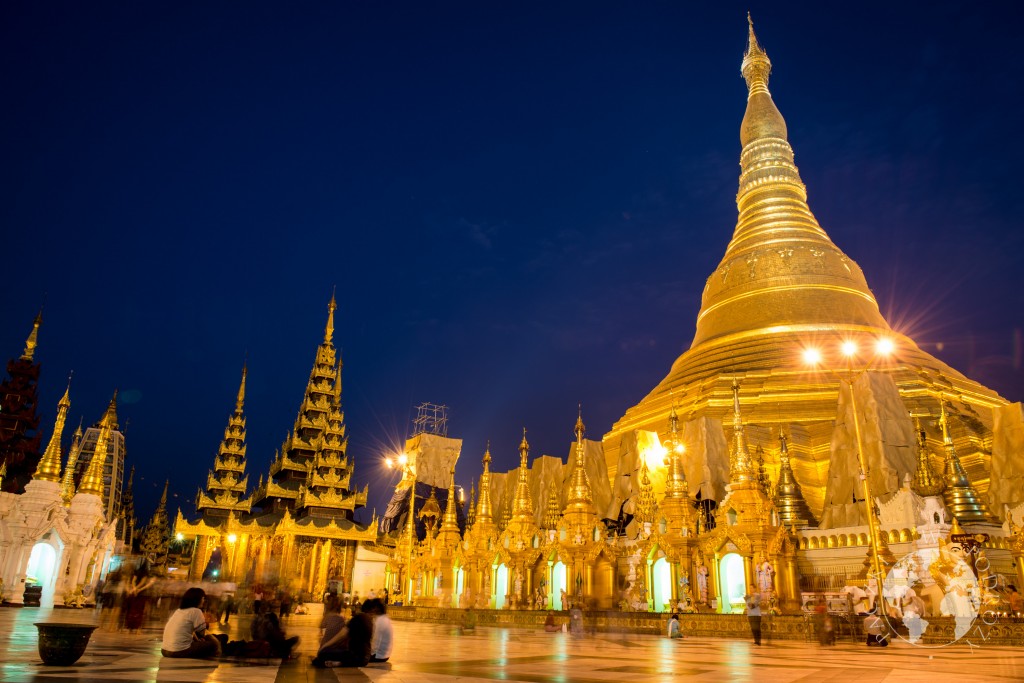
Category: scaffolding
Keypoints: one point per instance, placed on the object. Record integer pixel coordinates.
(431, 418)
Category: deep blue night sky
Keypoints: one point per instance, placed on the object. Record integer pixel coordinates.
(518, 203)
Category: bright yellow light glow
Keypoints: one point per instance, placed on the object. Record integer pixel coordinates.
(232, 538)
(812, 356)
(654, 456)
(849, 348)
(403, 459)
(389, 462)
(180, 536)
(885, 347)
(680, 448)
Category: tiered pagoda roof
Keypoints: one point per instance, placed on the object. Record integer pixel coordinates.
(227, 483)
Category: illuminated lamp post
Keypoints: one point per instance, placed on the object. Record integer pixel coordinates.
(884, 348)
(402, 463)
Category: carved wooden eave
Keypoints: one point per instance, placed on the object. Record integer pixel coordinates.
(713, 543)
(230, 463)
(285, 463)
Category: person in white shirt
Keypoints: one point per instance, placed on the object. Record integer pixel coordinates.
(185, 633)
(383, 633)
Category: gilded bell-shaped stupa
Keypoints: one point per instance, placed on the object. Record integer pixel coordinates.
(784, 285)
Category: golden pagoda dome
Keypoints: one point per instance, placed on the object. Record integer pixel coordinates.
(783, 285)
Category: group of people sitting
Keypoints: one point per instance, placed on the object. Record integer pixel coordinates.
(366, 637)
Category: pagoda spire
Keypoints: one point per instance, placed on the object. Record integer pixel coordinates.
(227, 483)
(777, 240)
(449, 535)
(962, 500)
(240, 400)
(740, 471)
(553, 513)
(925, 482)
(33, 338)
(92, 480)
(484, 513)
(471, 512)
(49, 465)
(789, 499)
(675, 480)
(329, 328)
(67, 485)
(581, 496)
(522, 506)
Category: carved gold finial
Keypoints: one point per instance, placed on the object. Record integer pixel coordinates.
(756, 66)
(33, 338)
(49, 464)
(329, 329)
(240, 401)
(3, 473)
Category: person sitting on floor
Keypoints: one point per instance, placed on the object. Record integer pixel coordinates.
(383, 633)
(673, 627)
(266, 627)
(351, 646)
(185, 633)
(549, 624)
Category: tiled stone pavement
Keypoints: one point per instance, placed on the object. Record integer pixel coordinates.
(433, 653)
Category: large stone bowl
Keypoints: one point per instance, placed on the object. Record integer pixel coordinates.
(63, 644)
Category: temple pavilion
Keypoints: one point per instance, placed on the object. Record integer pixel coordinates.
(296, 527)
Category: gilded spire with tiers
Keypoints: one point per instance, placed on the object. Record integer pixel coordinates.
(33, 338)
(92, 480)
(676, 486)
(450, 535)
(67, 485)
(962, 501)
(926, 482)
(789, 499)
(675, 506)
(523, 504)
(741, 475)
(581, 496)
(49, 465)
(484, 516)
(312, 475)
(227, 483)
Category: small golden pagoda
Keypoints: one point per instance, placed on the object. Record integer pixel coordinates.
(519, 542)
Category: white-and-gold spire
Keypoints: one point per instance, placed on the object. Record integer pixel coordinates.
(49, 464)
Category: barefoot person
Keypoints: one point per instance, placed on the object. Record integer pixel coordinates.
(185, 633)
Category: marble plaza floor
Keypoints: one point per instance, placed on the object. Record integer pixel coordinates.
(435, 653)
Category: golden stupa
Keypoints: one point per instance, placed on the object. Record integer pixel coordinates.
(781, 287)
